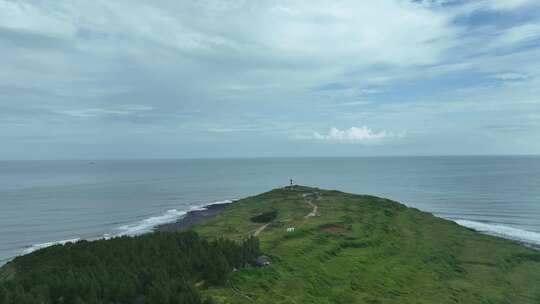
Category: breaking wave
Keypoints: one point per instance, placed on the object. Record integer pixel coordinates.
(47, 244)
(144, 226)
(520, 235)
(148, 224)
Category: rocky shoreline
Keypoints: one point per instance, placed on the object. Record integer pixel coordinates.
(191, 218)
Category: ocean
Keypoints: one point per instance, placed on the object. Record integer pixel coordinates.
(47, 202)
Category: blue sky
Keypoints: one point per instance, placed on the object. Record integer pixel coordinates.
(185, 79)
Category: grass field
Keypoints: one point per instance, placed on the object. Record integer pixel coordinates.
(364, 249)
(344, 248)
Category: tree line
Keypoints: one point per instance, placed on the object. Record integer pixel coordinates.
(154, 268)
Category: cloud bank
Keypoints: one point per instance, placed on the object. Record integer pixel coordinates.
(86, 78)
(361, 135)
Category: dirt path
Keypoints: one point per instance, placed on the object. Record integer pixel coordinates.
(260, 229)
(313, 212)
(309, 200)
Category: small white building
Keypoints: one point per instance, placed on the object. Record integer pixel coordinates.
(291, 229)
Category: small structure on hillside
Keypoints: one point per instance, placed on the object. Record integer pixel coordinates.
(262, 261)
(291, 229)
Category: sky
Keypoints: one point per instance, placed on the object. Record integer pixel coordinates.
(232, 78)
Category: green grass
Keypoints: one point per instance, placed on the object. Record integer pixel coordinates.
(358, 249)
(364, 249)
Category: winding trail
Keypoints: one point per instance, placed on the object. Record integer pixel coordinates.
(313, 212)
(260, 229)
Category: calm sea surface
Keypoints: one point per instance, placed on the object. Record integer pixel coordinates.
(42, 202)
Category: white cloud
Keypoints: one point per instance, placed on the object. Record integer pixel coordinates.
(99, 112)
(32, 18)
(354, 135)
(370, 91)
(85, 59)
(508, 4)
(386, 31)
(355, 103)
(390, 32)
(517, 35)
(510, 76)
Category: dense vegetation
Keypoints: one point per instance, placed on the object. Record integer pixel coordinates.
(365, 249)
(265, 217)
(155, 268)
(353, 249)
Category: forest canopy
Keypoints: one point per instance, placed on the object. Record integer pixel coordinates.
(152, 268)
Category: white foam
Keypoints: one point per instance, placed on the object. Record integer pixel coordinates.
(48, 244)
(222, 202)
(147, 225)
(141, 227)
(520, 235)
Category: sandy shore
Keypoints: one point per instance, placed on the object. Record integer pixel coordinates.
(191, 218)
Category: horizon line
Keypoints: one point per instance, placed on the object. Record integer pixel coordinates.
(269, 157)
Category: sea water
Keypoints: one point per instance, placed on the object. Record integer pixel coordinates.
(48, 202)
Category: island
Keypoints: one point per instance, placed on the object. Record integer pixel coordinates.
(294, 244)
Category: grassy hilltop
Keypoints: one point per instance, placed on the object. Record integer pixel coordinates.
(364, 249)
(345, 248)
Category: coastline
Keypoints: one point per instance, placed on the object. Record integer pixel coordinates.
(191, 218)
(342, 232)
(207, 212)
(210, 211)
(182, 223)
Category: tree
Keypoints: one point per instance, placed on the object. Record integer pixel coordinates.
(161, 266)
(217, 270)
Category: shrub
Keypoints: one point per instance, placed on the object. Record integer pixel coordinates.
(265, 217)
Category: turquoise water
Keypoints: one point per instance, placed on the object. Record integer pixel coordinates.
(49, 201)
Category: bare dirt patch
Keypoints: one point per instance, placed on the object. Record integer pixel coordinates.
(335, 229)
